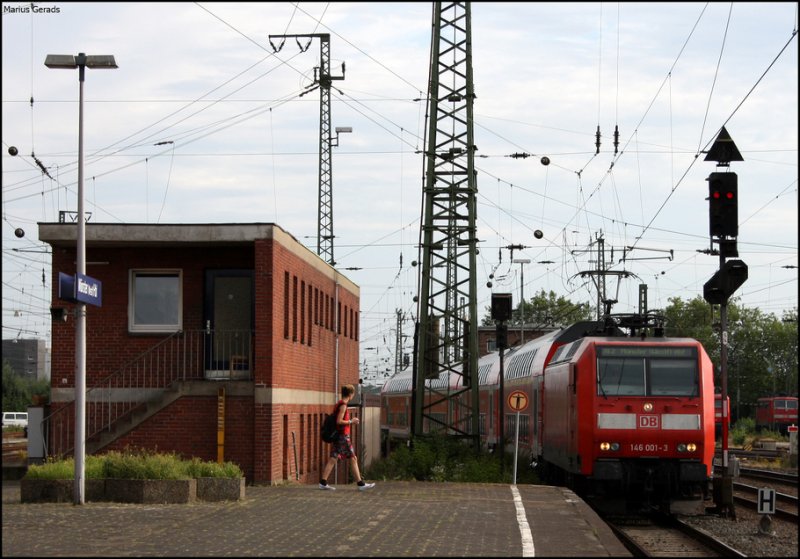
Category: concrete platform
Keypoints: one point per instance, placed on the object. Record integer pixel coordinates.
(411, 519)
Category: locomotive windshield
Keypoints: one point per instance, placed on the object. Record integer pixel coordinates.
(647, 371)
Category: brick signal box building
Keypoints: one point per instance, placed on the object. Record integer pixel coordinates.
(220, 341)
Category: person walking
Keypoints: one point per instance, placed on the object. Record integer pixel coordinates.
(341, 447)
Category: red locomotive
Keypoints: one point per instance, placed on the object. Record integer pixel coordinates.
(776, 413)
(610, 414)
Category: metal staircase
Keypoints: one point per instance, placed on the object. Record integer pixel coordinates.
(148, 384)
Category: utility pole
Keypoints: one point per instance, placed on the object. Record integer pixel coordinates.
(322, 80)
(447, 300)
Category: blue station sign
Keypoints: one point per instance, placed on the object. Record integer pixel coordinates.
(80, 289)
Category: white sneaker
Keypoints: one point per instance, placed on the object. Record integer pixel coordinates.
(327, 487)
(366, 486)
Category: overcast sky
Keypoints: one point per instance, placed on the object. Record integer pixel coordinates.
(243, 143)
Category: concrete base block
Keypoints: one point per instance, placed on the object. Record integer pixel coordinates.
(149, 491)
(59, 490)
(220, 489)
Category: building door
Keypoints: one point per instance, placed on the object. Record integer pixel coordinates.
(228, 319)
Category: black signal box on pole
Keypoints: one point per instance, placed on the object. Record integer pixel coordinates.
(725, 282)
(723, 202)
(501, 306)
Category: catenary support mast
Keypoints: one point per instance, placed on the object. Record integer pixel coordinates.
(322, 80)
(447, 334)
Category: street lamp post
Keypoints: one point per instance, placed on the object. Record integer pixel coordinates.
(81, 62)
(521, 262)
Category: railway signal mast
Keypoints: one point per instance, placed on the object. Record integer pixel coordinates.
(723, 198)
(322, 80)
(446, 343)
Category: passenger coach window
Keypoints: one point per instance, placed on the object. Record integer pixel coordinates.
(647, 371)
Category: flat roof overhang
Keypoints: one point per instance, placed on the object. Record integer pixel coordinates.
(99, 235)
(64, 235)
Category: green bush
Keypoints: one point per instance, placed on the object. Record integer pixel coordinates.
(197, 468)
(439, 458)
(144, 466)
(134, 465)
(744, 432)
(743, 428)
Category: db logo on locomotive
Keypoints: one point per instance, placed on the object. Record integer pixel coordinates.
(648, 422)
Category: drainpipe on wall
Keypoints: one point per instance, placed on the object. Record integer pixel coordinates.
(336, 388)
(336, 335)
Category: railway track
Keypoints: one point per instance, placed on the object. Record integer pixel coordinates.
(752, 454)
(14, 450)
(783, 478)
(661, 535)
(750, 480)
(785, 505)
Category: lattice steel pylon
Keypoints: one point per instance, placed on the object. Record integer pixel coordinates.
(322, 80)
(447, 333)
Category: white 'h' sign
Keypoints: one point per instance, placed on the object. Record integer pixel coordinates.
(766, 501)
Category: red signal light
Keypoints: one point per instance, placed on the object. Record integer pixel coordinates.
(723, 199)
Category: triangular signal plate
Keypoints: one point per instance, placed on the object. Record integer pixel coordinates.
(724, 150)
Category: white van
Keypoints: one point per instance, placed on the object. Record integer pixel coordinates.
(15, 419)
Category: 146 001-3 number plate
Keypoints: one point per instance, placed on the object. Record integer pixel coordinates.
(649, 447)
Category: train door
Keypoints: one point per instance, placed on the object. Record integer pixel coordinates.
(536, 395)
(573, 420)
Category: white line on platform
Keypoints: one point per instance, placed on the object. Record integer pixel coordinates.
(524, 527)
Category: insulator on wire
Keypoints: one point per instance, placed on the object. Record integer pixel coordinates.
(616, 139)
(597, 140)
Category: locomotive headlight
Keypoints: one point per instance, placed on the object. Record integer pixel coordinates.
(605, 446)
(648, 407)
(681, 447)
(609, 446)
(691, 447)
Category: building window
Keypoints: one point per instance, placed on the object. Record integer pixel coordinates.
(310, 311)
(302, 312)
(316, 306)
(294, 308)
(352, 325)
(155, 301)
(326, 311)
(286, 305)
